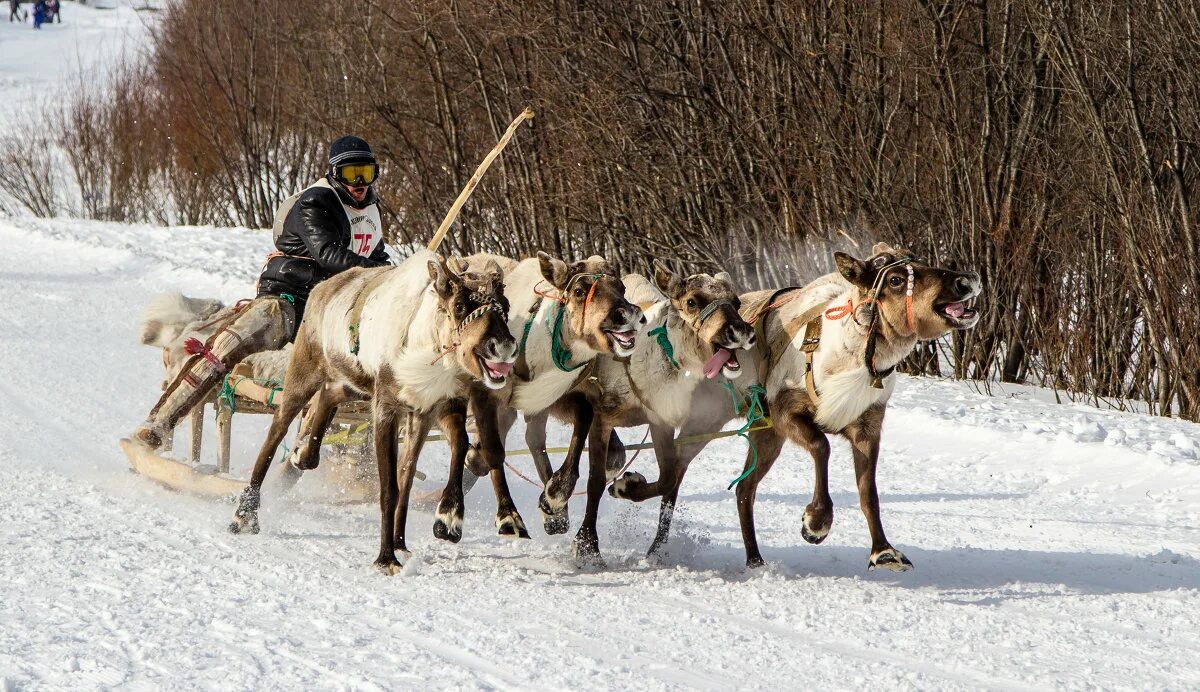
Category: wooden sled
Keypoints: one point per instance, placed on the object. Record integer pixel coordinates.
(194, 477)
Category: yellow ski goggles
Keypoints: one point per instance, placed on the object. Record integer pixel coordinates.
(356, 173)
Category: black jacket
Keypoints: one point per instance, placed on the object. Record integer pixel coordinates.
(316, 236)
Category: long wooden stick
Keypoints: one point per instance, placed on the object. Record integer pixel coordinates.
(487, 161)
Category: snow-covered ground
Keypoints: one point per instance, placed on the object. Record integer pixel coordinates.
(39, 66)
(1055, 546)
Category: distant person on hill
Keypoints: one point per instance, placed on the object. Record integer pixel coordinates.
(329, 227)
(39, 13)
(14, 12)
(53, 11)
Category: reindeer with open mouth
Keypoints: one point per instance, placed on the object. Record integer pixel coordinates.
(566, 315)
(414, 338)
(693, 333)
(827, 353)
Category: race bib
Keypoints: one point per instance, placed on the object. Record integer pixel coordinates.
(365, 229)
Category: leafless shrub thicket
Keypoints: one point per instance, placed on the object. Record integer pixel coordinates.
(1051, 145)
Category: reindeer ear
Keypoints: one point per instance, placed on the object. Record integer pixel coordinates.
(724, 276)
(553, 270)
(854, 270)
(881, 248)
(667, 281)
(440, 275)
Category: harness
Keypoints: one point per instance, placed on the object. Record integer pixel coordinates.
(813, 322)
(560, 354)
(487, 303)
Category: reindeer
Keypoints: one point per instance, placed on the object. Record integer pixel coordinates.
(566, 315)
(415, 339)
(827, 354)
(693, 334)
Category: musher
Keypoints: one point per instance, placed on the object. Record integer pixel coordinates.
(331, 226)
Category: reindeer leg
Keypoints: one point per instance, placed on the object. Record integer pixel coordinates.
(587, 541)
(416, 428)
(671, 469)
(818, 515)
(448, 521)
(535, 442)
(384, 420)
(476, 464)
(491, 447)
(769, 443)
(306, 454)
(864, 443)
(303, 381)
(554, 498)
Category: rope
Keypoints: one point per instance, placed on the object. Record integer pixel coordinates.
(640, 446)
(227, 397)
(754, 413)
(664, 342)
(237, 307)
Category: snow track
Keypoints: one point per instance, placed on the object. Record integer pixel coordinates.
(1047, 555)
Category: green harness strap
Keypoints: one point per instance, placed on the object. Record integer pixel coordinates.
(559, 353)
(664, 342)
(754, 413)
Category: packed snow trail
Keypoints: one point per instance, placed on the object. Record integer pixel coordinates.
(1055, 546)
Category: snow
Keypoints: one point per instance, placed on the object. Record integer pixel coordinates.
(1056, 546)
(40, 65)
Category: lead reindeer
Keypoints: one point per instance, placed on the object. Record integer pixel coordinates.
(417, 339)
(693, 334)
(827, 354)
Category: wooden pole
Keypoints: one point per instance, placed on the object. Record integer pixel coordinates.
(462, 196)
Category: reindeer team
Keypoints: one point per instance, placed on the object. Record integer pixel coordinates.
(432, 339)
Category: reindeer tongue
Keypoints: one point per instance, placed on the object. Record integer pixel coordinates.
(499, 369)
(955, 310)
(714, 364)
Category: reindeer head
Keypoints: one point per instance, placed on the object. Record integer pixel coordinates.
(940, 297)
(594, 299)
(709, 306)
(475, 324)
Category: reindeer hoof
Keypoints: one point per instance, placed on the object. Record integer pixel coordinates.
(554, 521)
(755, 562)
(447, 531)
(814, 538)
(389, 567)
(587, 553)
(244, 525)
(245, 517)
(297, 461)
(511, 526)
(623, 486)
(889, 559)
